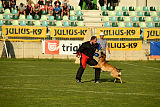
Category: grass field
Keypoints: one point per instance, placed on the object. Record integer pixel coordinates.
(51, 83)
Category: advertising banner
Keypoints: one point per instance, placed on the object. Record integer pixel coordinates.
(23, 31)
(69, 32)
(51, 47)
(155, 49)
(151, 34)
(125, 45)
(119, 32)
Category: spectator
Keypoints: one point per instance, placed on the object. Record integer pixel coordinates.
(7, 4)
(50, 9)
(43, 7)
(36, 10)
(13, 4)
(66, 1)
(65, 10)
(57, 10)
(21, 9)
(48, 2)
(109, 2)
(101, 2)
(40, 2)
(29, 9)
(57, 2)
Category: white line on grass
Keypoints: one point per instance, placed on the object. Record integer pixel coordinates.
(141, 66)
(78, 91)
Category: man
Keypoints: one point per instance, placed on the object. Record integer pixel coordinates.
(57, 10)
(57, 3)
(21, 10)
(103, 44)
(65, 10)
(7, 4)
(87, 51)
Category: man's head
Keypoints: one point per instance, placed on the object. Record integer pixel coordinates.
(65, 4)
(21, 4)
(93, 40)
(101, 35)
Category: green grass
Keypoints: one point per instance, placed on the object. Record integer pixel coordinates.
(51, 83)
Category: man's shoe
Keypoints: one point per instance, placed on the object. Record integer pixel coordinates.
(79, 81)
(97, 82)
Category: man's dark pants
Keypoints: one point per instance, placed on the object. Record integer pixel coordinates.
(85, 60)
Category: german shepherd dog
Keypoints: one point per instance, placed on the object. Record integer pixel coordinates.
(104, 66)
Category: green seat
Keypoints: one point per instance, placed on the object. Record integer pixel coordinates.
(14, 11)
(143, 25)
(7, 11)
(80, 18)
(118, 13)
(105, 13)
(51, 23)
(158, 9)
(152, 8)
(59, 23)
(65, 18)
(124, 8)
(73, 24)
(1, 11)
(78, 8)
(103, 8)
(114, 24)
(58, 18)
(148, 19)
(1, 22)
(72, 8)
(135, 24)
(106, 19)
(146, 13)
(29, 17)
(72, 18)
(15, 17)
(36, 17)
(153, 14)
(110, 8)
(117, 8)
(72, 13)
(141, 19)
(121, 24)
(120, 19)
(23, 23)
(80, 24)
(44, 12)
(145, 8)
(155, 19)
(30, 23)
(79, 13)
(138, 8)
(1, 6)
(66, 24)
(150, 25)
(113, 19)
(112, 13)
(133, 13)
(37, 23)
(131, 8)
(139, 14)
(51, 18)
(107, 24)
(159, 14)
(125, 14)
(127, 19)
(134, 19)
(43, 17)
(15, 23)
(157, 24)
(1, 17)
(22, 17)
(128, 24)
(44, 23)
(7, 17)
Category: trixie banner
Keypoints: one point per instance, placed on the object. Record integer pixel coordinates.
(119, 32)
(151, 34)
(70, 32)
(23, 31)
(125, 45)
(60, 47)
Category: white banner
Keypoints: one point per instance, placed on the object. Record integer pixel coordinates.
(69, 47)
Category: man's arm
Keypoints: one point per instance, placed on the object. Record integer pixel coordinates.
(81, 49)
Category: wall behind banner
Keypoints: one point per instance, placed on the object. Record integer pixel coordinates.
(34, 50)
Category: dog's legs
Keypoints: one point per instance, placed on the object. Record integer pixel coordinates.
(96, 66)
(116, 76)
(120, 79)
(115, 80)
